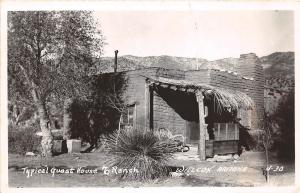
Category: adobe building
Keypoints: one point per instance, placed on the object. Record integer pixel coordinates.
(205, 106)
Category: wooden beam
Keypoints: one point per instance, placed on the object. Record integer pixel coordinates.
(202, 127)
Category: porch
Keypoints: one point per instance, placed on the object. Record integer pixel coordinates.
(209, 113)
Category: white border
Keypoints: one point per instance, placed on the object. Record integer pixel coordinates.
(182, 5)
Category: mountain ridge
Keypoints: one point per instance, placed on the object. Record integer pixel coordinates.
(278, 69)
(275, 64)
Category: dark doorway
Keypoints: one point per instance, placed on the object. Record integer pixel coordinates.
(192, 132)
(186, 106)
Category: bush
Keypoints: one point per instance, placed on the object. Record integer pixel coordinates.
(23, 139)
(131, 148)
(284, 134)
(163, 134)
(281, 127)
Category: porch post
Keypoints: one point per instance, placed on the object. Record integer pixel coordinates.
(202, 128)
(147, 106)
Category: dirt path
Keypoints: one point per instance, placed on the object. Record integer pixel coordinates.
(198, 174)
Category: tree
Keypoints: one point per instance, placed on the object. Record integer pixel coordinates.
(101, 113)
(284, 121)
(50, 55)
(266, 136)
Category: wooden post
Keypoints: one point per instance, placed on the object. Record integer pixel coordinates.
(201, 144)
(236, 132)
(134, 116)
(205, 115)
(150, 111)
(206, 132)
(226, 131)
(147, 106)
(219, 127)
(116, 61)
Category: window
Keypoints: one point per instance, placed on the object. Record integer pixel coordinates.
(128, 117)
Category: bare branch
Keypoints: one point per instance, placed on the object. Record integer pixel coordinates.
(114, 102)
(25, 74)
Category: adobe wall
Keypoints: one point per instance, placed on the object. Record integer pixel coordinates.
(250, 66)
(162, 112)
(201, 76)
(166, 105)
(170, 73)
(226, 80)
(135, 92)
(253, 88)
(164, 116)
(250, 80)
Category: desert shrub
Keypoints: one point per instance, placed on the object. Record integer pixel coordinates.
(132, 148)
(257, 139)
(99, 113)
(284, 127)
(163, 134)
(22, 139)
(281, 126)
(249, 140)
(88, 122)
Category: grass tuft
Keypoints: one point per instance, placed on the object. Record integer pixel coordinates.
(143, 150)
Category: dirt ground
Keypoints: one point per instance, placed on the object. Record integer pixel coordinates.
(246, 171)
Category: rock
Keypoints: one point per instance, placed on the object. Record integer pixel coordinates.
(30, 154)
(236, 156)
(224, 158)
(176, 174)
(210, 159)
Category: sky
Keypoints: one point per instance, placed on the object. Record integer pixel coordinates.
(202, 34)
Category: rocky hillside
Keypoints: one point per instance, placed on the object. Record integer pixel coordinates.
(279, 78)
(129, 62)
(278, 65)
(279, 70)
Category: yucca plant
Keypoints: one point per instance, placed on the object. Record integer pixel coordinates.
(143, 150)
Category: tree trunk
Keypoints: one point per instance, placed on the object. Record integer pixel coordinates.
(67, 118)
(47, 139)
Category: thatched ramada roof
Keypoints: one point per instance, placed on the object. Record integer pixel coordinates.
(223, 97)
